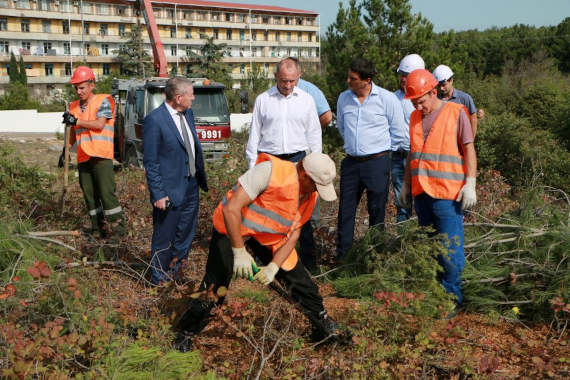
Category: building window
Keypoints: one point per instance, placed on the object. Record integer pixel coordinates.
(228, 17)
(104, 49)
(172, 32)
(253, 19)
(188, 33)
(187, 15)
(240, 17)
(170, 13)
(65, 6)
(3, 24)
(106, 69)
(86, 48)
(242, 35)
(26, 46)
(4, 4)
(228, 34)
(299, 21)
(266, 35)
(156, 13)
(103, 29)
(86, 8)
(173, 51)
(86, 28)
(265, 19)
(46, 26)
(254, 35)
(4, 47)
(188, 50)
(68, 69)
(122, 30)
(202, 16)
(44, 5)
(24, 4)
(310, 37)
(65, 26)
(47, 47)
(102, 9)
(203, 33)
(25, 25)
(216, 34)
(66, 48)
(300, 36)
(277, 36)
(289, 36)
(254, 52)
(48, 69)
(121, 11)
(215, 16)
(287, 20)
(242, 69)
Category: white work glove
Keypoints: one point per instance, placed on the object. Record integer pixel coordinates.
(467, 195)
(404, 196)
(267, 274)
(242, 263)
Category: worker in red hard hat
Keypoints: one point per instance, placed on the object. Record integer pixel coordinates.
(92, 120)
(441, 171)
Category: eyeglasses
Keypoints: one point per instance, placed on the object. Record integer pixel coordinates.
(442, 82)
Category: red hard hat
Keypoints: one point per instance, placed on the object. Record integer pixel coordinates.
(419, 83)
(82, 74)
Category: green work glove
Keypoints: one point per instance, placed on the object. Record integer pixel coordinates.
(267, 274)
(243, 261)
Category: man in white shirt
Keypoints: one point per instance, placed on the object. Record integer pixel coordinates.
(286, 124)
(285, 121)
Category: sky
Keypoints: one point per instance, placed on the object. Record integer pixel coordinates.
(452, 14)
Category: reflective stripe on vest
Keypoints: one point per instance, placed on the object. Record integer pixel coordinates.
(90, 142)
(436, 164)
(274, 214)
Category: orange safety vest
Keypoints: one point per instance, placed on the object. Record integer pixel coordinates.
(92, 143)
(436, 164)
(274, 214)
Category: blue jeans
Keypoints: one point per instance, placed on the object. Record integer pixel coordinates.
(447, 218)
(356, 176)
(399, 160)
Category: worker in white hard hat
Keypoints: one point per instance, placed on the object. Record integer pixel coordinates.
(401, 148)
(446, 91)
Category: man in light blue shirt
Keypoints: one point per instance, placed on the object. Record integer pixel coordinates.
(401, 148)
(369, 118)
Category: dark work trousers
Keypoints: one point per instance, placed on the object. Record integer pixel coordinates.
(219, 272)
(97, 181)
(308, 253)
(372, 175)
(173, 233)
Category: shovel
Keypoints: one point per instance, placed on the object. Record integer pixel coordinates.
(66, 137)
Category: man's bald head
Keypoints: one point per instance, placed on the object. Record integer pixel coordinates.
(288, 63)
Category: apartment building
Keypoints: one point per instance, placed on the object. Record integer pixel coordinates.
(53, 35)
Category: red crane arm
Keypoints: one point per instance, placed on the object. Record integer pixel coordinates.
(160, 63)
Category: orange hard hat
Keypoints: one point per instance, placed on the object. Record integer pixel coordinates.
(419, 83)
(82, 74)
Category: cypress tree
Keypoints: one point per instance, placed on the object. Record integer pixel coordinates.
(13, 69)
(23, 76)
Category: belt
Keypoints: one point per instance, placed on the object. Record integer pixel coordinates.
(284, 156)
(367, 157)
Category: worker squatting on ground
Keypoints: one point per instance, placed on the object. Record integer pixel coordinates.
(401, 147)
(92, 118)
(441, 171)
(265, 211)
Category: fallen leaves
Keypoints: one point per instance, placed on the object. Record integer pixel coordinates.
(39, 270)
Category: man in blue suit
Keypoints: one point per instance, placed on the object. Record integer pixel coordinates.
(174, 170)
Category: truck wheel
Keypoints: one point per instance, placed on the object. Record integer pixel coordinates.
(131, 158)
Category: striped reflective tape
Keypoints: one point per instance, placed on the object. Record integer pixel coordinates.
(436, 157)
(438, 174)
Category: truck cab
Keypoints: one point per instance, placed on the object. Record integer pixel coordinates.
(135, 98)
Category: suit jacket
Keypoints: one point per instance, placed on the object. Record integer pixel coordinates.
(165, 157)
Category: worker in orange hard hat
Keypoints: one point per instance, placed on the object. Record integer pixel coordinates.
(92, 120)
(441, 171)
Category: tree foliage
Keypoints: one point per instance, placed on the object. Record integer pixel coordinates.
(134, 59)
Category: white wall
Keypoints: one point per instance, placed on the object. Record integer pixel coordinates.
(240, 121)
(31, 121)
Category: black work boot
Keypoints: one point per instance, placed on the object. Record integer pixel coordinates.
(194, 319)
(326, 330)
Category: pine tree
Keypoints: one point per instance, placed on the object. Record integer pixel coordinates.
(23, 75)
(134, 59)
(209, 63)
(13, 69)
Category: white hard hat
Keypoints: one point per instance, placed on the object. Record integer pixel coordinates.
(410, 63)
(442, 73)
